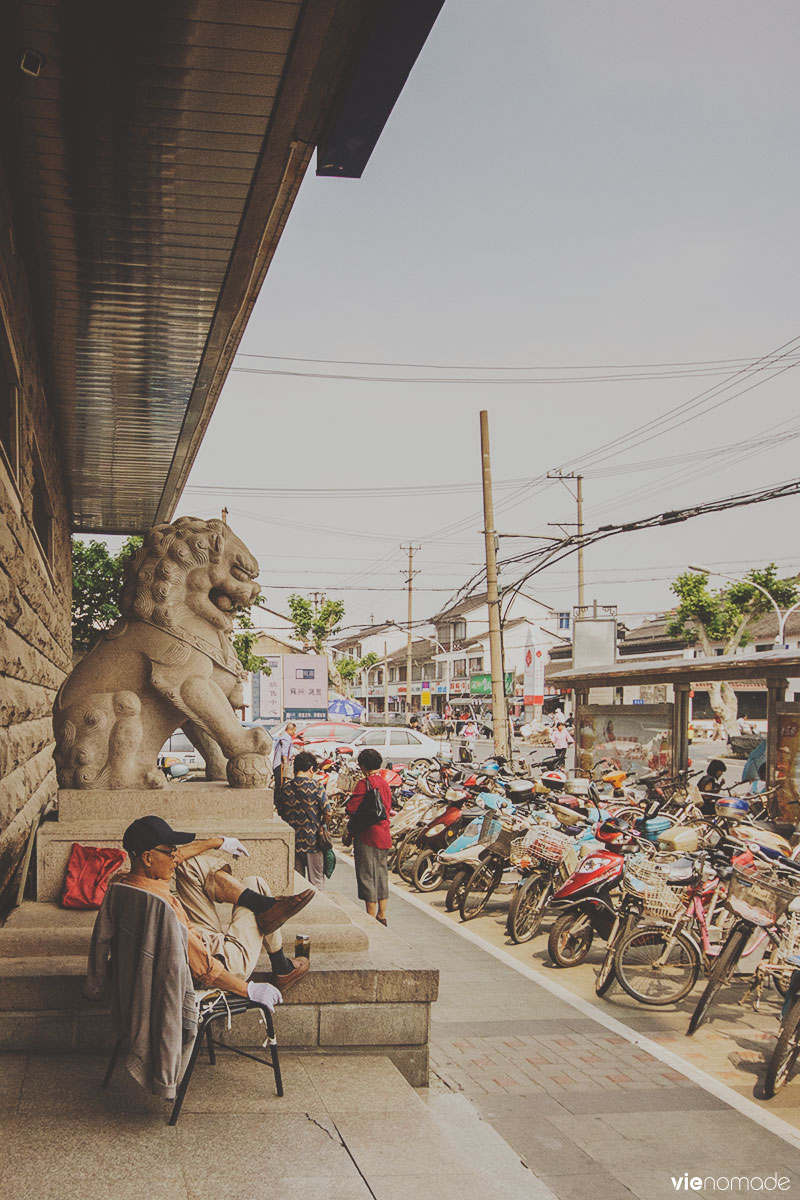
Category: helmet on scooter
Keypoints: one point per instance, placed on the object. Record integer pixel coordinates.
(613, 833)
(732, 806)
(554, 780)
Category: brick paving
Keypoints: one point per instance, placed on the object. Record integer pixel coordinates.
(589, 1112)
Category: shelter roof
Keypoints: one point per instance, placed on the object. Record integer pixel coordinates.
(769, 665)
(153, 152)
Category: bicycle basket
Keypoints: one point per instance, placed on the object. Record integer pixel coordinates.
(548, 845)
(501, 846)
(519, 855)
(758, 897)
(348, 779)
(647, 882)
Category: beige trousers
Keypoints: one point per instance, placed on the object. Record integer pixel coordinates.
(236, 937)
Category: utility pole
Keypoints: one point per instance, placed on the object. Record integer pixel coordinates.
(410, 550)
(499, 709)
(578, 497)
(385, 685)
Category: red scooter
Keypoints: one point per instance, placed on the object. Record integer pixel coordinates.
(588, 902)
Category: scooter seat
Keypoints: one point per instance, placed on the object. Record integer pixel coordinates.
(682, 871)
(783, 828)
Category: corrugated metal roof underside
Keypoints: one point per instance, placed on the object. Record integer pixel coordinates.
(134, 152)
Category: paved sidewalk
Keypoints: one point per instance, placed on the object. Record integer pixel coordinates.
(591, 1114)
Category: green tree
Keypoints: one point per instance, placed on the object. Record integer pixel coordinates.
(244, 639)
(348, 668)
(724, 616)
(97, 578)
(314, 625)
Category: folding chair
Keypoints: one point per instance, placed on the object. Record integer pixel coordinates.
(129, 908)
(215, 1006)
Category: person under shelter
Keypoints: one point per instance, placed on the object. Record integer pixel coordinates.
(223, 949)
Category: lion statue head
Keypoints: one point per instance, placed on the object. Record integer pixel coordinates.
(187, 570)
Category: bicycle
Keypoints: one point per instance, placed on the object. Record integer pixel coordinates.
(758, 900)
(546, 857)
(659, 962)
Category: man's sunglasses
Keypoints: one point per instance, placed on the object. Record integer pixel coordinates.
(170, 851)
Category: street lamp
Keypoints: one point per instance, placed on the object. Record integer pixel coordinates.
(782, 617)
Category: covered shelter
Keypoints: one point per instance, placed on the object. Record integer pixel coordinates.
(150, 155)
(656, 735)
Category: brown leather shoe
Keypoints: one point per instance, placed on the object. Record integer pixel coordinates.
(283, 908)
(284, 982)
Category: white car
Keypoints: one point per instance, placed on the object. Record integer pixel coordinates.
(178, 749)
(397, 744)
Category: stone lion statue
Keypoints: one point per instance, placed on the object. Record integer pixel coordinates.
(168, 662)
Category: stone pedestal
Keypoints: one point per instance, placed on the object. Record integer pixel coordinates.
(99, 818)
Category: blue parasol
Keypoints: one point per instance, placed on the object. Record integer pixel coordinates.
(341, 707)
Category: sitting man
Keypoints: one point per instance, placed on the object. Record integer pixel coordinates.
(222, 953)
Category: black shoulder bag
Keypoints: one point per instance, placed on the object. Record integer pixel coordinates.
(369, 812)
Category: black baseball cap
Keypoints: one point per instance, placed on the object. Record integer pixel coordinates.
(148, 832)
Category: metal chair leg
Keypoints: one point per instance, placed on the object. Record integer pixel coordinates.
(273, 1050)
(187, 1076)
(112, 1062)
(212, 1058)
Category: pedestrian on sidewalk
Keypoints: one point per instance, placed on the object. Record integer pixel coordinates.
(562, 739)
(283, 752)
(303, 803)
(371, 843)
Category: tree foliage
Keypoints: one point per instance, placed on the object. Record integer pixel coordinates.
(244, 639)
(724, 616)
(313, 626)
(97, 579)
(349, 668)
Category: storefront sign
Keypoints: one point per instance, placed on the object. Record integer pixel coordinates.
(305, 686)
(267, 691)
(535, 659)
(787, 764)
(481, 685)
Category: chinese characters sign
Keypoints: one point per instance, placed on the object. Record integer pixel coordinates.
(305, 687)
(267, 691)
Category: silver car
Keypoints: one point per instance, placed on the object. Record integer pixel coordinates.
(398, 744)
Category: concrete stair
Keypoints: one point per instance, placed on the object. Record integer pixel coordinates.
(366, 992)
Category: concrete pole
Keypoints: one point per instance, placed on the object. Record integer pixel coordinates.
(499, 712)
(579, 479)
(409, 670)
(385, 684)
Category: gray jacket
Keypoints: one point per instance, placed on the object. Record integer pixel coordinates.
(141, 947)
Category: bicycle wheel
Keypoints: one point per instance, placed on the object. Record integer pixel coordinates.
(457, 883)
(606, 976)
(721, 972)
(784, 1056)
(526, 910)
(656, 967)
(428, 872)
(477, 891)
(570, 939)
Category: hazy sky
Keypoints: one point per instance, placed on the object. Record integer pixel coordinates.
(561, 186)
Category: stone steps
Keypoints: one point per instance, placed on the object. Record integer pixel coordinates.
(366, 990)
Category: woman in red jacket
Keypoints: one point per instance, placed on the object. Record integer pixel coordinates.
(371, 843)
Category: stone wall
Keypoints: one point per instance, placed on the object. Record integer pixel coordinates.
(35, 580)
